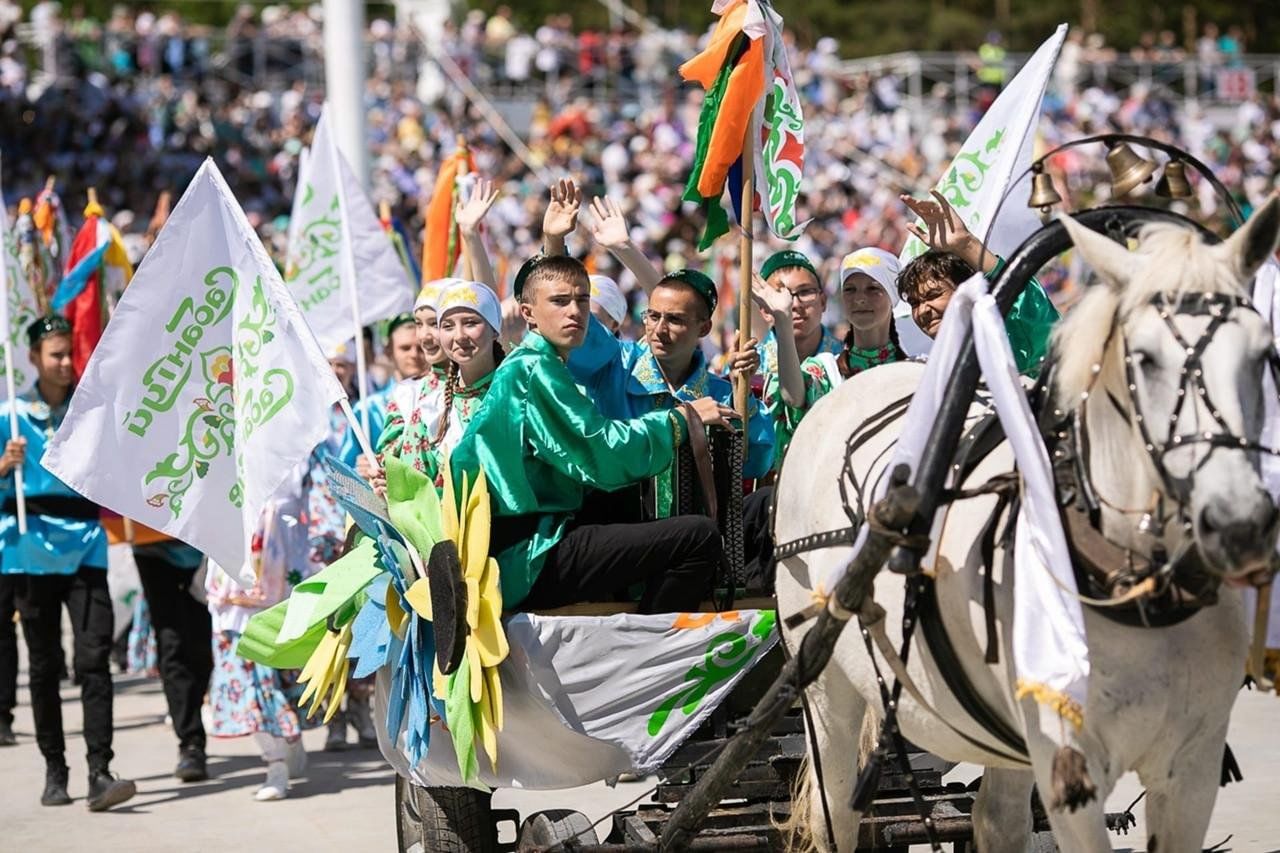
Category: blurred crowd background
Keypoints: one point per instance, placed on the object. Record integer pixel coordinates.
(131, 100)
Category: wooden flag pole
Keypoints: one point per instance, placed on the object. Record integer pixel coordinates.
(742, 384)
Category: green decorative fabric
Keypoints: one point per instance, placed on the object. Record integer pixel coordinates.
(413, 505)
(258, 642)
(545, 448)
(1029, 324)
(717, 218)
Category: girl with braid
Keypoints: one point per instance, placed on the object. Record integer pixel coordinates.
(469, 320)
(868, 290)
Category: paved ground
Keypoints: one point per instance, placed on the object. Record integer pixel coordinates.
(345, 802)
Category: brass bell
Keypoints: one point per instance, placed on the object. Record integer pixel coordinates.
(1128, 169)
(1043, 194)
(1173, 184)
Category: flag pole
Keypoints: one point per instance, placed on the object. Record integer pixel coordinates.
(14, 433)
(349, 273)
(742, 384)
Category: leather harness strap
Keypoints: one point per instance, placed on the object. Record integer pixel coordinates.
(702, 459)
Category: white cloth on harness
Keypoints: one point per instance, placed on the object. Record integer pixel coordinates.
(588, 697)
(1049, 644)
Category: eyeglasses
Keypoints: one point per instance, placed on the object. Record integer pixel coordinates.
(806, 294)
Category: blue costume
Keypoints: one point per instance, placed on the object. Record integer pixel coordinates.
(624, 381)
(376, 405)
(63, 530)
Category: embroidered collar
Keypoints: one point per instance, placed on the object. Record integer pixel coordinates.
(477, 389)
(38, 409)
(647, 379)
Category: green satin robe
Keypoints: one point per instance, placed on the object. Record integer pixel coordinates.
(545, 446)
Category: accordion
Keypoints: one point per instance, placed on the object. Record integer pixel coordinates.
(726, 449)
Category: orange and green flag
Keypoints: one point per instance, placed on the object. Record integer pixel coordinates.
(749, 88)
(441, 245)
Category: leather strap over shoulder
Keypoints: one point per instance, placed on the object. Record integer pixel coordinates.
(701, 459)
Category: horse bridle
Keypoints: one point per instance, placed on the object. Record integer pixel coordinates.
(1218, 307)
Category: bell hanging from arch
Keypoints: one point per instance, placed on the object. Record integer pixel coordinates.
(1174, 184)
(1128, 169)
(1043, 194)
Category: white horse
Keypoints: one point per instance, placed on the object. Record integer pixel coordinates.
(1159, 698)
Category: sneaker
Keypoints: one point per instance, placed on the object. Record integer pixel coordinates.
(295, 758)
(192, 765)
(277, 785)
(7, 737)
(55, 786)
(107, 790)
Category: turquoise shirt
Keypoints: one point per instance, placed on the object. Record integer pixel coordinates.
(376, 405)
(624, 381)
(53, 545)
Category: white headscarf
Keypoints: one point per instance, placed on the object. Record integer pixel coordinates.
(473, 296)
(882, 266)
(606, 293)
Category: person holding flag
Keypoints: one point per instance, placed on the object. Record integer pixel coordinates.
(61, 561)
(409, 364)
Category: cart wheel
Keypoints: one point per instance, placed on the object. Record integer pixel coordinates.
(546, 828)
(443, 820)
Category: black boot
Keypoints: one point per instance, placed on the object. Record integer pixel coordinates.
(192, 765)
(107, 790)
(55, 786)
(7, 737)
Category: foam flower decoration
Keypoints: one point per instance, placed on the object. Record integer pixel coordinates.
(325, 673)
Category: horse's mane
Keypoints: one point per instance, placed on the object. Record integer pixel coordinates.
(1169, 259)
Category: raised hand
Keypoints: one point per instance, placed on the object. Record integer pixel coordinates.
(609, 226)
(474, 209)
(562, 213)
(775, 301)
(944, 230)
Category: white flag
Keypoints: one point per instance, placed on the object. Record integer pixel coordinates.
(998, 150)
(338, 245)
(20, 311)
(206, 389)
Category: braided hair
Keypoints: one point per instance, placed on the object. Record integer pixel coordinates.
(451, 390)
(894, 341)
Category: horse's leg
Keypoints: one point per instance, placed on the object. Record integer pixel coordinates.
(836, 713)
(1084, 829)
(1181, 794)
(1002, 811)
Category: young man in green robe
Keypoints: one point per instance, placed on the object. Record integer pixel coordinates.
(546, 445)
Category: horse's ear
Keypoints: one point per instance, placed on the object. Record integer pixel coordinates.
(1113, 262)
(1255, 241)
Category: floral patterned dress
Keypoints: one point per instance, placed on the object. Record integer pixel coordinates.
(246, 697)
(822, 373)
(408, 437)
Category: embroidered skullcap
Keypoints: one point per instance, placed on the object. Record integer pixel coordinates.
(397, 321)
(606, 293)
(880, 265)
(785, 259)
(52, 324)
(699, 281)
(473, 296)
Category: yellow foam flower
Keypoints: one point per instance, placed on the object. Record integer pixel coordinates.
(325, 673)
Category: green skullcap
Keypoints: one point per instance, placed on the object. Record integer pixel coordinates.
(53, 324)
(699, 281)
(784, 259)
(398, 321)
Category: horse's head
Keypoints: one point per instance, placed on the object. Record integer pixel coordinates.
(1166, 366)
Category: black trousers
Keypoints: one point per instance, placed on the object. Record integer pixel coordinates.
(40, 599)
(757, 535)
(183, 629)
(675, 558)
(8, 649)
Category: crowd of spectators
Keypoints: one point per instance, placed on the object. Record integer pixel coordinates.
(133, 104)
